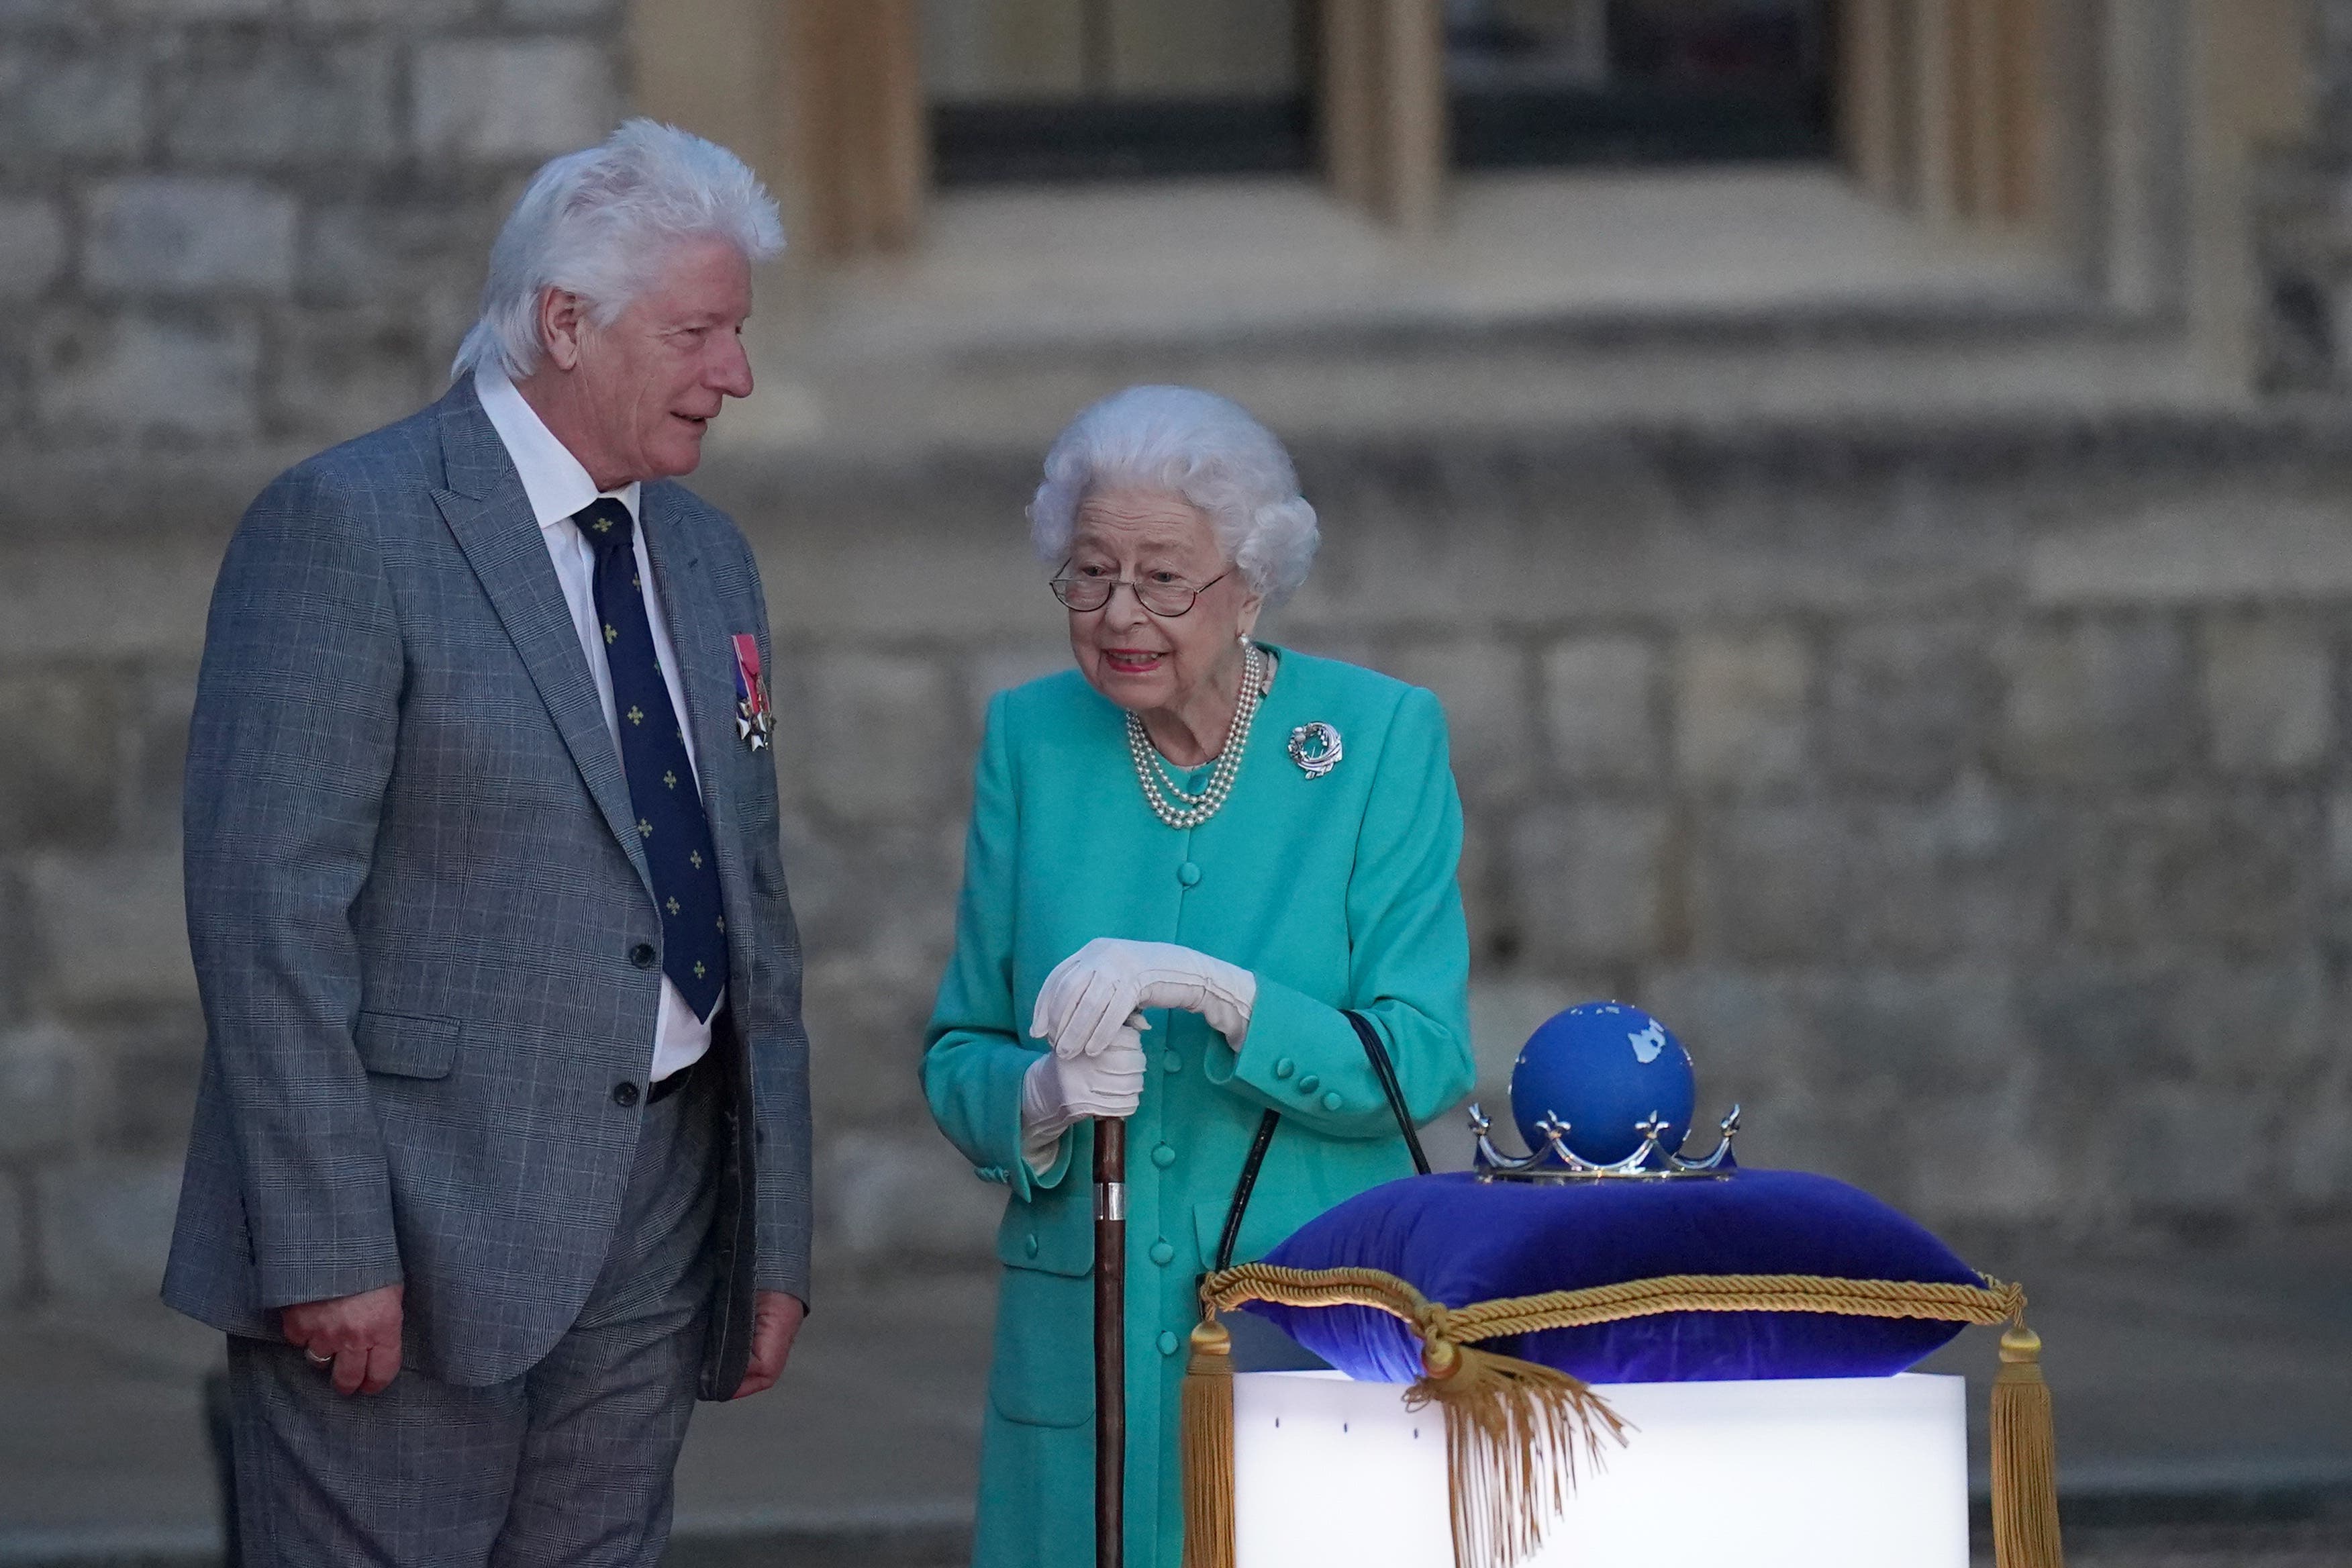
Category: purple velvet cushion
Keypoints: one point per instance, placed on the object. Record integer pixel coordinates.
(1460, 1241)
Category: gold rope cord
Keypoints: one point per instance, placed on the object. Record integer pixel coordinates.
(1514, 1429)
(1992, 1302)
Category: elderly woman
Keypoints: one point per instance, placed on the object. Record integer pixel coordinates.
(1186, 858)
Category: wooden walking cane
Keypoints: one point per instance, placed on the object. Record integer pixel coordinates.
(1111, 1340)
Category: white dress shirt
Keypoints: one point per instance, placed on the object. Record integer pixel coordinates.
(559, 486)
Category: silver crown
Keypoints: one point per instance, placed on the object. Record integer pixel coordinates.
(1555, 1161)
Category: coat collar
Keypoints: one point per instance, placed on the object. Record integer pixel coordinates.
(474, 461)
(490, 516)
(557, 484)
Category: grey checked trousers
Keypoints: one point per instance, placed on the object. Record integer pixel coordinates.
(569, 1464)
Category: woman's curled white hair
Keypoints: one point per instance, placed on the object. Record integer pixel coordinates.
(598, 222)
(1199, 446)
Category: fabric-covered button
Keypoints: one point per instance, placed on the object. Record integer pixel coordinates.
(1188, 874)
(1167, 1341)
(1029, 1243)
(1332, 1102)
(1284, 1068)
(1171, 1062)
(625, 1095)
(1163, 1156)
(1309, 1084)
(1163, 1254)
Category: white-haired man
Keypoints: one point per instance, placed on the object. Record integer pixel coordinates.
(501, 1150)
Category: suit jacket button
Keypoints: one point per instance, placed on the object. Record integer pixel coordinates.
(624, 1094)
(1332, 1102)
(1163, 1254)
(1029, 1243)
(1284, 1068)
(644, 956)
(1309, 1084)
(1168, 1342)
(1162, 1156)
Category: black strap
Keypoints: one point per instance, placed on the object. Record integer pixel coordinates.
(1243, 1187)
(1383, 1069)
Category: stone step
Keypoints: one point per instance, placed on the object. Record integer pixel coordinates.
(1705, 370)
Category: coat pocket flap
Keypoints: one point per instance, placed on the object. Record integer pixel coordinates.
(1046, 1242)
(404, 1044)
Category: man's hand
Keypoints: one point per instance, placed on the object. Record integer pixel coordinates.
(359, 1335)
(774, 1321)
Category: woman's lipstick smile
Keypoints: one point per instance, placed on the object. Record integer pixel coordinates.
(1132, 661)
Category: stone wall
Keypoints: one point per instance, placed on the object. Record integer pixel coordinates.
(230, 230)
(239, 220)
(1977, 802)
(236, 221)
(1977, 805)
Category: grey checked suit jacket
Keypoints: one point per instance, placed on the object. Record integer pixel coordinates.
(417, 903)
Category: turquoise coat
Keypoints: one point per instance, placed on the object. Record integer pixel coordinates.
(1336, 892)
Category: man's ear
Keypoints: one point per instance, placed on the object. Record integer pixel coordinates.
(563, 315)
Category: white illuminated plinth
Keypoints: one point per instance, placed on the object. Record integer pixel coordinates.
(1863, 1472)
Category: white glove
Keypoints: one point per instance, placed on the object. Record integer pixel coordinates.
(1059, 1091)
(1085, 1002)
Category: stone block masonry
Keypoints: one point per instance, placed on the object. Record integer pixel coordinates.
(481, 100)
(2001, 894)
(1971, 883)
(1602, 702)
(262, 222)
(172, 235)
(1976, 800)
(230, 231)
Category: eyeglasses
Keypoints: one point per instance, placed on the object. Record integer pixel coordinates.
(1167, 599)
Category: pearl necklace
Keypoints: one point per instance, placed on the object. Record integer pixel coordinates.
(1158, 784)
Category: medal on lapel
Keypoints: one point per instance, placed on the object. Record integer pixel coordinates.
(753, 718)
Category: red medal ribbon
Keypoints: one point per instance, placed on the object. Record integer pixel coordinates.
(753, 718)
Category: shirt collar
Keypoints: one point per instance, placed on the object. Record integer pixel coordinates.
(554, 480)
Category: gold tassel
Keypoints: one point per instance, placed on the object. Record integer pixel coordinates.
(1206, 1425)
(2025, 1458)
(1513, 1430)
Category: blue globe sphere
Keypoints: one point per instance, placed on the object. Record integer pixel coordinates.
(1603, 1068)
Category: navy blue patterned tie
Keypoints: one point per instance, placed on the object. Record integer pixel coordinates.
(670, 822)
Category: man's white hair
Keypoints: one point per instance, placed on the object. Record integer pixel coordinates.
(598, 222)
(1199, 446)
